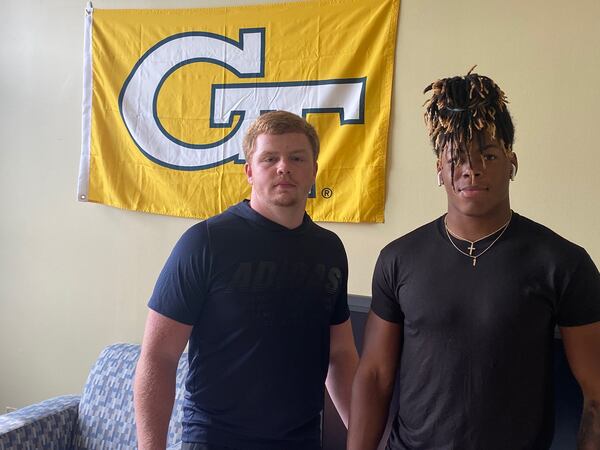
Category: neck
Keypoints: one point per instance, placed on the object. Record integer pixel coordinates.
(290, 217)
(474, 228)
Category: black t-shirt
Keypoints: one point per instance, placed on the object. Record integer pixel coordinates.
(476, 364)
(261, 299)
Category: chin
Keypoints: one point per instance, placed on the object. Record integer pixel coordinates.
(478, 210)
(285, 202)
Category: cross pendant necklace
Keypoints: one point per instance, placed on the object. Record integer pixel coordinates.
(471, 247)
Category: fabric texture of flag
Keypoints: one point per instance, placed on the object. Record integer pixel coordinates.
(169, 94)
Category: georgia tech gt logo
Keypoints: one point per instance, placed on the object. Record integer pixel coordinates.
(246, 59)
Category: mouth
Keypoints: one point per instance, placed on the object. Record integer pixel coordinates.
(285, 185)
(472, 191)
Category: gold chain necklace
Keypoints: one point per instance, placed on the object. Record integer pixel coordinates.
(471, 248)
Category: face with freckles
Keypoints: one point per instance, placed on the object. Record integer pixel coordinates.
(477, 182)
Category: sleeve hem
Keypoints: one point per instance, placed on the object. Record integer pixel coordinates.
(579, 323)
(170, 315)
(384, 315)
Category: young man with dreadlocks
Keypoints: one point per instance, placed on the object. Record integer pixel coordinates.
(464, 308)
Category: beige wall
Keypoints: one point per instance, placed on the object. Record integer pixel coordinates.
(75, 277)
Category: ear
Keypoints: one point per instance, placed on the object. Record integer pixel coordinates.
(248, 171)
(512, 157)
(316, 170)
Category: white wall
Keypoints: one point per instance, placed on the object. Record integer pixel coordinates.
(75, 277)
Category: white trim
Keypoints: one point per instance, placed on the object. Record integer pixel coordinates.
(86, 122)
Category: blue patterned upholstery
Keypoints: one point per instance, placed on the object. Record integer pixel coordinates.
(46, 425)
(101, 419)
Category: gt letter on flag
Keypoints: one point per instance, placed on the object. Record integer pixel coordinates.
(169, 94)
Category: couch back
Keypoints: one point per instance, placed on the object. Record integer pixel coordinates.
(106, 418)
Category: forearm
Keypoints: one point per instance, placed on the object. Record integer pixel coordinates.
(154, 394)
(369, 410)
(340, 375)
(589, 430)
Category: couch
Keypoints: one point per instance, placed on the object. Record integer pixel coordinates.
(101, 418)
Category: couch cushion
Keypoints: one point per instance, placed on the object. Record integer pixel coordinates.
(106, 417)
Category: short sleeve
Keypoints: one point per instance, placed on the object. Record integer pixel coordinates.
(580, 300)
(384, 302)
(182, 284)
(341, 312)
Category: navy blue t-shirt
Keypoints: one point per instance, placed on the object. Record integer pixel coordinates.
(261, 299)
(476, 363)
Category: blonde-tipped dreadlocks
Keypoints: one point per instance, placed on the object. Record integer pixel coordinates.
(463, 106)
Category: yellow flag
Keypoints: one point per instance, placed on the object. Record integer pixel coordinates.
(169, 94)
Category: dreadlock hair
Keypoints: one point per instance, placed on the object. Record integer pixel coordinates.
(461, 107)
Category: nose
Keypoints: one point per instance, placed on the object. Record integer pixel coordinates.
(282, 167)
(472, 169)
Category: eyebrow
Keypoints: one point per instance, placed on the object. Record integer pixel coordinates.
(292, 152)
(297, 150)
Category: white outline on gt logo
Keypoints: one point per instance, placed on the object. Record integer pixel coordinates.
(244, 101)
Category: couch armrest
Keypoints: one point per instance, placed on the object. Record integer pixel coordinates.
(48, 425)
(176, 446)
